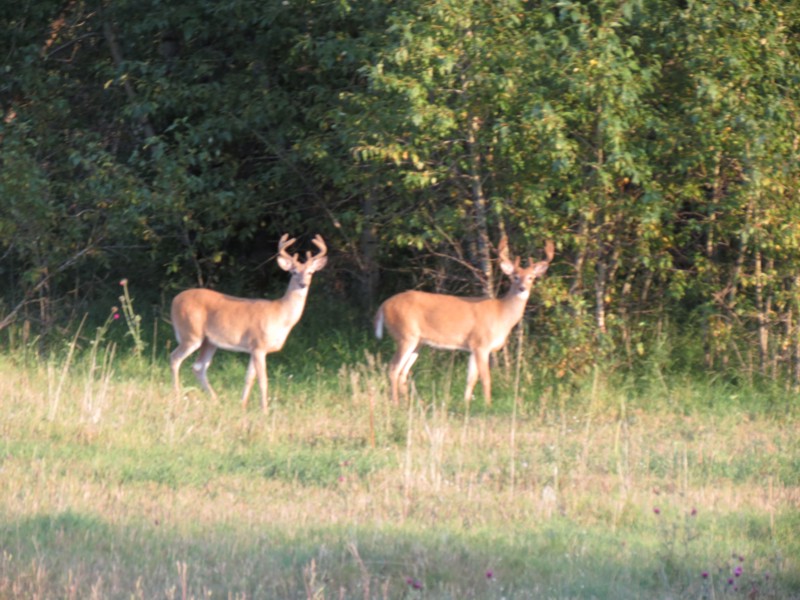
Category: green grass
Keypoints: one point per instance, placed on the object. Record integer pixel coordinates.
(610, 488)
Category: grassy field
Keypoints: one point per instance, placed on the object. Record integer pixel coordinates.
(112, 488)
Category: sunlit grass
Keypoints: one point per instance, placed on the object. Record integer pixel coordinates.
(601, 490)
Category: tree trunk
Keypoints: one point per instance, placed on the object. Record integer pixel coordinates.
(796, 340)
(600, 295)
(369, 251)
(761, 318)
(479, 208)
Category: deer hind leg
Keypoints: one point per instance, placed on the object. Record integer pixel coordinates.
(257, 367)
(406, 370)
(472, 377)
(184, 349)
(200, 366)
(400, 367)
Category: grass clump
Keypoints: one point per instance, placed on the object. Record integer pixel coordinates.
(606, 487)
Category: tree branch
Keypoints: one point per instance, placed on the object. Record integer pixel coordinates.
(116, 56)
(12, 315)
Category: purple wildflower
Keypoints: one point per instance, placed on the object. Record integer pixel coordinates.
(414, 583)
(704, 574)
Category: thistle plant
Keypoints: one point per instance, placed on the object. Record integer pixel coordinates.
(132, 320)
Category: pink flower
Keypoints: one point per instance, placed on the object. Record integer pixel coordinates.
(116, 316)
(656, 510)
(414, 583)
(704, 574)
(489, 574)
(124, 282)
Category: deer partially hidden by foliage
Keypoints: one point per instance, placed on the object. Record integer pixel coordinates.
(206, 320)
(479, 326)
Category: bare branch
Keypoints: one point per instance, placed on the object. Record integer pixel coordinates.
(12, 315)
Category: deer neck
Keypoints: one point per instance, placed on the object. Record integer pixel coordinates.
(513, 303)
(514, 295)
(294, 301)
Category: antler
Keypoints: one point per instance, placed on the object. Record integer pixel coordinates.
(504, 255)
(319, 243)
(549, 250)
(284, 243)
(502, 249)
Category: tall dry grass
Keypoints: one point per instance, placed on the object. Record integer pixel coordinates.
(112, 488)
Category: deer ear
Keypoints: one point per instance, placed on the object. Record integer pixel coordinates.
(319, 263)
(540, 268)
(507, 267)
(285, 263)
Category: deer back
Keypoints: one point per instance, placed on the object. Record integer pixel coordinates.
(450, 322)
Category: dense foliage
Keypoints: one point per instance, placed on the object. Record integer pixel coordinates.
(655, 142)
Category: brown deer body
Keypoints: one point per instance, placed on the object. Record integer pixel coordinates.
(479, 326)
(206, 320)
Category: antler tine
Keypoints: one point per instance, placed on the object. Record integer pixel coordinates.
(549, 250)
(319, 243)
(502, 248)
(284, 243)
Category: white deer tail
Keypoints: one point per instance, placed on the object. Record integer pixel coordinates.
(379, 323)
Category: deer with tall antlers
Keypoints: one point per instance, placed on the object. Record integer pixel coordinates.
(206, 320)
(479, 326)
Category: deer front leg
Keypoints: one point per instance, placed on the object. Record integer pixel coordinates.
(263, 382)
(478, 368)
(485, 375)
(249, 380)
(256, 367)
